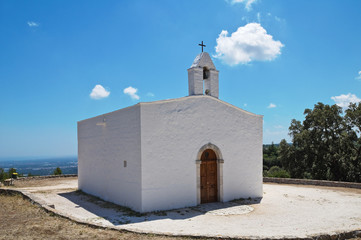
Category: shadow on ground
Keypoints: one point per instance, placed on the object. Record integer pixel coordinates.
(119, 215)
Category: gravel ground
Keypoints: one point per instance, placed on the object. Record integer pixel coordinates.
(22, 220)
(285, 211)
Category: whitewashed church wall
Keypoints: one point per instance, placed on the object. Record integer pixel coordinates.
(104, 143)
(172, 134)
(242, 169)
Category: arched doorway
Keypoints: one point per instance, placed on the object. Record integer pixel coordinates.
(209, 176)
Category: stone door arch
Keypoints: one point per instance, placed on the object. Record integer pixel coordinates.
(209, 174)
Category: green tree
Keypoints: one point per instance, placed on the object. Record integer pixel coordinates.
(353, 142)
(57, 171)
(325, 145)
(3, 175)
(11, 171)
(270, 156)
(271, 150)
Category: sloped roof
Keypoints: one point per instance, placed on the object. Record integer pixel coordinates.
(200, 96)
(179, 100)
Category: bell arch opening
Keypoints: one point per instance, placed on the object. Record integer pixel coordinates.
(206, 81)
(205, 73)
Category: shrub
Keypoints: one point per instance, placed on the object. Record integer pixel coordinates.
(57, 171)
(278, 172)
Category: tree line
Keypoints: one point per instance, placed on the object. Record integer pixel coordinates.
(5, 175)
(325, 146)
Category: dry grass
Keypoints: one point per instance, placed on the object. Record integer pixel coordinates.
(19, 219)
(40, 182)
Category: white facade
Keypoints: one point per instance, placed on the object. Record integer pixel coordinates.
(104, 143)
(147, 156)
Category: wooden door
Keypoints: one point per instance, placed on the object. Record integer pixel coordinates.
(209, 177)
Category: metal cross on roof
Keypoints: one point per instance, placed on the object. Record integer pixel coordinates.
(202, 45)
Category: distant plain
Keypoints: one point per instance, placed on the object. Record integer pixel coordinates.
(41, 167)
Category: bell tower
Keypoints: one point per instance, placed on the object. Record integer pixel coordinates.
(203, 76)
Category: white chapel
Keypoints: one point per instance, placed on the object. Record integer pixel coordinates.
(173, 153)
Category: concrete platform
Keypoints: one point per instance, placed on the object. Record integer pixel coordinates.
(286, 211)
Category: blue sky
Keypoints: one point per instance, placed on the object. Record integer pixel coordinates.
(275, 58)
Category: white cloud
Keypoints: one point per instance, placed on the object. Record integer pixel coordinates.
(359, 75)
(247, 3)
(150, 94)
(345, 99)
(249, 43)
(32, 24)
(132, 92)
(278, 126)
(99, 92)
(271, 105)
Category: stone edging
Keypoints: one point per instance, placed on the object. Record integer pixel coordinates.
(49, 209)
(46, 176)
(312, 182)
